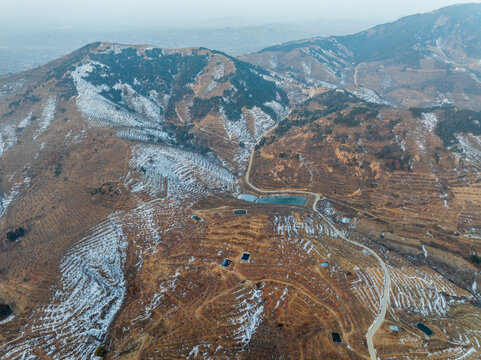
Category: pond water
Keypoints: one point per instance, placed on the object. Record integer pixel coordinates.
(248, 197)
(196, 218)
(5, 311)
(325, 264)
(336, 337)
(246, 256)
(226, 262)
(424, 329)
(283, 200)
(240, 212)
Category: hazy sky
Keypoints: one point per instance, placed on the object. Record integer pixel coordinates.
(181, 12)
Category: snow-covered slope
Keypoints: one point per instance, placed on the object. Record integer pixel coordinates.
(90, 292)
(178, 174)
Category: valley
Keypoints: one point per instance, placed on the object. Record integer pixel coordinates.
(186, 204)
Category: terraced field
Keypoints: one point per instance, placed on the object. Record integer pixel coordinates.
(257, 305)
(122, 223)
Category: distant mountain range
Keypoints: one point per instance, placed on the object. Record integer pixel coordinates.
(24, 48)
(420, 60)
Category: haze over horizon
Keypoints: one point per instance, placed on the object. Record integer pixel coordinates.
(190, 13)
(35, 32)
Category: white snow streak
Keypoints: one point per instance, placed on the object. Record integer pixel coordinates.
(429, 120)
(181, 174)
(48, 114)
(82, 308)
(250, 308)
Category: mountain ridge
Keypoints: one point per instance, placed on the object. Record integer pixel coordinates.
(137, 228)
(419, 60)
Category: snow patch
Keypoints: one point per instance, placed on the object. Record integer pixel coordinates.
(250, 308)
(219, 70)
(25, 122)
(429, 121)
(7, 199)
(8, 138)
(139, 103)
(48, 114)
(471, 147)
(82, 308)
(194, 351)
(273, 62)
(280, 110)
(262, 121)
(11, 87)
(307, 68)
(425, 252)
(145, 125)
(177, 173)
(369, 95)
(10, 318)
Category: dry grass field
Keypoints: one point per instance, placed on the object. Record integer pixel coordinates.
(131, 240)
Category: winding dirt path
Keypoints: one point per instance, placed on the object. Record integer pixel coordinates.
(356, 71)
(387, 277)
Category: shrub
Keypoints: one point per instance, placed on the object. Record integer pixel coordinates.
(265, 141)
(395, 158)
(201, 107)
(11, 236)
(14, 235)
(388, 151)
(58, 169)
(100, 351)
(14, 104)
(20, 231)
(417, 112)
(393, 123)
(453, 121)
(475, 258)
(347, 120)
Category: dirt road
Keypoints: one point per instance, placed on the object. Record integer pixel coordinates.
(387, 278)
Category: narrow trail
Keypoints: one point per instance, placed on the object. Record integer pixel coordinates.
(387, 277)
(178, 115)
(356, 71)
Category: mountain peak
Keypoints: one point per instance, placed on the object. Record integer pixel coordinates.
(445, 43)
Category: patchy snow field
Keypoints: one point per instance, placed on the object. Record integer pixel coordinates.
(15, 189)
(369, 95)
(9, 88)
(429, 121)
(177, 173)
(471, 147)
(91, 287)
(48, 114)
(422, 291)
(8, 133)
(143, 125)
(248, 313)
(90, 292)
